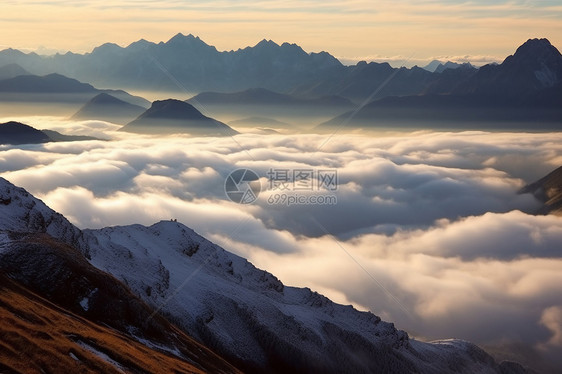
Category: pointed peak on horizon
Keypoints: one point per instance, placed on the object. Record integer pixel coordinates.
(181, 38)
(537, 46)
(266, 42)
(140, 42)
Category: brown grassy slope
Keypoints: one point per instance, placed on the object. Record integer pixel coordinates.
(41, 324)
(37, 336)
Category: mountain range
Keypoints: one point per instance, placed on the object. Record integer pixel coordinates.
(261, 102)
(52, 94)
(283, 81)
(524, 91)
(192, 63)
(11, 71)
(155, 289)
(437, 66)
(187, 64)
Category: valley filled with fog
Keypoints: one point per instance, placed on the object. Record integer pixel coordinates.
(429, 230)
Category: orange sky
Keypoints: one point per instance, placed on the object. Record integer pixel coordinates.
(412, 31)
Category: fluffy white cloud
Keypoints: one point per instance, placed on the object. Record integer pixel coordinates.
(428, 230)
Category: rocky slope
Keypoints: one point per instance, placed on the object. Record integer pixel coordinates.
(61, 314)
(548, 190)
(245, 314)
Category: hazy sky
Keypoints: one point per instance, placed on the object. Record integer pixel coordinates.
(351, 30)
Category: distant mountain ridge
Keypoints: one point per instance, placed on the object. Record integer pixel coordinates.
(187, 63)
(262, 96)
(198, 66)
(56, 88)
(437, 66)
(525, 90)
(108, 108)
(12, 71)
(15, 133)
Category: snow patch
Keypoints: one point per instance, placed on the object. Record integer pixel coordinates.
(546, 77)
(160, 347)
(85, 302)
(101, 355)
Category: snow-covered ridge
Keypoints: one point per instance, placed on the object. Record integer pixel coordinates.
(245, 314)
(22, 212)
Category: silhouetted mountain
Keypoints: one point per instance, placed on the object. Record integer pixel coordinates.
(108, 108)
(549, 191)
(18, 133)
(259, 122)
(536, 65)
(525, 91)
(55, 88)
(432, 66)
(184, 62)
(174, 116)
(453, 65)
(12, 71)
(187, 63)
(262, 96)
(261, 102)
(49, 84)
(56, 136)
(367, 80)
(437, 66)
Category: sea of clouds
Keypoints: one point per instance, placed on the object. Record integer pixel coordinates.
(428, 231)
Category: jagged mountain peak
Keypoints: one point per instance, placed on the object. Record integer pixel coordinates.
(180, 38)
(266, 43)
(535, 53)
(541, 45)
(536, 65)
(139, 44)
